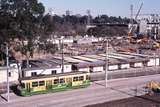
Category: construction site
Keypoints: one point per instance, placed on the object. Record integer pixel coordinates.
(142, 37)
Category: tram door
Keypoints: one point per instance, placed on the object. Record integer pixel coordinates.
(49, 84)
(69, 80)
(28, 86)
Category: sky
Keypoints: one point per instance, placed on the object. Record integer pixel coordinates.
(98, 7)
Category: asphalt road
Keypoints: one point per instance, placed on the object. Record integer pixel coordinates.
(96, 93)
(132, 72)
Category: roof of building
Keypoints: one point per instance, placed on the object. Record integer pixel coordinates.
(83, 58)
(72, 60)
(90, 60)
(113, 58)
(58, 60)
(89, 64)
(41, 64)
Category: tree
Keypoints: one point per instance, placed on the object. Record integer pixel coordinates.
(20, 19)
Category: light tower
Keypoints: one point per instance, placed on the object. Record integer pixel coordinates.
(68, 12)
(89, 17)
(51, 12)
(89, 20)
(131, 14)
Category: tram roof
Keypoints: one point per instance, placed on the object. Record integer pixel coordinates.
(56, 75)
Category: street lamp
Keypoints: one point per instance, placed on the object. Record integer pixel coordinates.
(5, 47)
(7, 61)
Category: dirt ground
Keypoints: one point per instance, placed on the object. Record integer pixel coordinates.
(139, 101)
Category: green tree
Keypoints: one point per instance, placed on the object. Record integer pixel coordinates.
(20, 19)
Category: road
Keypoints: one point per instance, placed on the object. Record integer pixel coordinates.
(96, 93)
(125, 73)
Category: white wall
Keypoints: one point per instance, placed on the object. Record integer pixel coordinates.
(3, 75)
(84, 69)
(68, 40)
(157, 61)
(42, 71)
(67, 68)
(138, 64)
(124, 66)
(14, 65)
(151, 62)
(112, 67)
(97, 69)
(65, 41)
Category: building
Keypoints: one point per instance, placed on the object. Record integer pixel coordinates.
(13, 75)
(149, 24)
(45, 67)
(116, 61)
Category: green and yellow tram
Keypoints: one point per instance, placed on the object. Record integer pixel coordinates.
(53, 83)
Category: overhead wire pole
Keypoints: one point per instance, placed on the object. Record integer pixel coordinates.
(155, 62)
(106, 70)
(62, 55)
(89, 17)
(7, 63)
(131, 14)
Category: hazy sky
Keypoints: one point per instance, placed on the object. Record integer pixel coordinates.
(97, 7)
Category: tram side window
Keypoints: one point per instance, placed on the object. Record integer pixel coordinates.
(41, 83)
(81, 78)
(56, 81)
(87, 77)
(34, 84)
(75, 78)
(61, 80)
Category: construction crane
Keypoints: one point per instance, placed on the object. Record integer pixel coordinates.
(132, 30)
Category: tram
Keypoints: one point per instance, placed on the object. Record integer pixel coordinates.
(52, 83)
